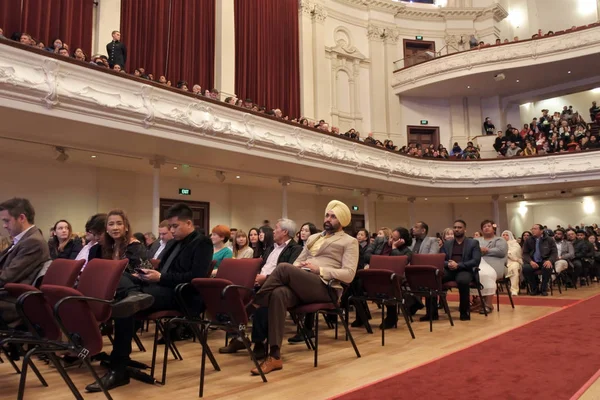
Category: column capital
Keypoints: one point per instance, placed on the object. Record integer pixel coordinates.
(411, 199)
(315, 11)
(495, 197)
(285, 181)
(157, 161)
(365, 192)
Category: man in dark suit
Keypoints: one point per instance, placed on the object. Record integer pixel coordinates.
(187, 257)
(116, 51)
(539, 254)
(21, 262)
(284, 250)
(157, 248)
(462, 255)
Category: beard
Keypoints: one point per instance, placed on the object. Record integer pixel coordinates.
(459, 235)
(330, 228)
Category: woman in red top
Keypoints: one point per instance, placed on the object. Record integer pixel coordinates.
(524, 131)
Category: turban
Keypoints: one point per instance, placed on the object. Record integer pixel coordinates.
(341, 211)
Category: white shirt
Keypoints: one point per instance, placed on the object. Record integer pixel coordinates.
(17, 238)
(160, 249)
(85, 252)
(271, 262)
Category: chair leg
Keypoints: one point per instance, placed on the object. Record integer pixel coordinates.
(350, 337)
(138, 342)
(447, 308)
(510, 297)
(10, 360)
(336, 325)
(382, 324)
(305, 334)
(154, 348)
(54, 360)
(406, 319)
(316, 338)
(431, 311)
(198, 333)
(497, 297)
(96, 378)
(246, 342)
(203, 362)
(482, 301)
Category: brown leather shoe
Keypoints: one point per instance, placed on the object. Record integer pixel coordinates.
(233, 347)
(270, 364)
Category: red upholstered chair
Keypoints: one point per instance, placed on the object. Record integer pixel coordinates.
(436, 260)
(396, 264)
(426, 280)
(329, 308)
(221, 298)
(383, 287)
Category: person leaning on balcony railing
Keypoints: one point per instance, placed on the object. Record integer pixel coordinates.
(500, 144)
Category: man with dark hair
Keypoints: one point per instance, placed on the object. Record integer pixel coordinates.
(565, 251)
(187, 257)
(156, 250)
(94, 228)
(539, 253)
(584, 257)
(117, 52)
(488, 127)
(423, 244)
(22, 261)
(462, 255)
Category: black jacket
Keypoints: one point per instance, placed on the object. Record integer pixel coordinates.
(471, 254)
(583, 249)
(288, 255)
(70, 251)
(193, 260)
(117, 54)
(548, 249)
(135, 253)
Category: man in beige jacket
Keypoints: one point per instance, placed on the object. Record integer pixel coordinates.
(332, 254)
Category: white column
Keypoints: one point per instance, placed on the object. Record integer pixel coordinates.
(365, 193)
(496, 212)
(108, 19)
(307, 94)
(320, 71)
(393, 115)
(156, 163)
(225, 48)
(411, 211)
(377, 81)
(285, 182)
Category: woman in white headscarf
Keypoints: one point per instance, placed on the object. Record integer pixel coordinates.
(514, 262)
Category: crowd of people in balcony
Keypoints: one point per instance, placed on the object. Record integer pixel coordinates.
(563, 131)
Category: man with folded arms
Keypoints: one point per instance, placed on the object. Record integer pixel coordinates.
(329, 255)
(539, 254)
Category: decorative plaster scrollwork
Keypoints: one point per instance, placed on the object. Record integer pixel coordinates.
(146, 94)
(51, 68)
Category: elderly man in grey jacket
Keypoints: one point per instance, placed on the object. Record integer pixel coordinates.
(494, 251)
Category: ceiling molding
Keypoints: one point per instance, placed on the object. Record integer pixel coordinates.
(48, 86)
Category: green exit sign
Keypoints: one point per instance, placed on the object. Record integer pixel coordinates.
(424, 122)
(185, 191)
(419, 37)
(354, 208)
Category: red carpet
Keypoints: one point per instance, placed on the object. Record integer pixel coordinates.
(549, 358)
(538, 301)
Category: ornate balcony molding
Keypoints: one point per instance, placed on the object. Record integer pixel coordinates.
(33, 81)
(548, 49)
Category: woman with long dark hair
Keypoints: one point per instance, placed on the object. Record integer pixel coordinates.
(265, 237)
(254, 242)
(64, 244)
(306, 231)
(118, 242)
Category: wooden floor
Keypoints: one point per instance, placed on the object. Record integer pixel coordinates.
(339, 370)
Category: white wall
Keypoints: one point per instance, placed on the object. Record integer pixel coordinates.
(436, 111)
(563, 212)
(581, 102)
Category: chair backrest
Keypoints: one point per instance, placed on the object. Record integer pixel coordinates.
(155, 263)
(213, 263)
(100, 279)
(396, 264)
(437, 260)
(63, 272)
(37, 282)
(241, 271)
(232, 304)
(36, 309)
(377, 283)
(423, 278)
(77, 317)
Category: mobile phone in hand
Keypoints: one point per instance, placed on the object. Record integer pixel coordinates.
(306, 269)
(140, 271)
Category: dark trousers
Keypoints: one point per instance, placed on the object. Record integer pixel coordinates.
(580, 269)
(532, 278)
(260, 325)
(164, 299)
(286, 287)
(463, 280)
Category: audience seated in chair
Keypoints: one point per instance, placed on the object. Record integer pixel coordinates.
(156, 249)
(64, 244)
(514, 262)
(327, 256)
(494, 251)
(539, 255)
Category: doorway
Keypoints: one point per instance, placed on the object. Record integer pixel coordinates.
(425, 135)
(356, 224)
(200, 209)
(417, 51)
